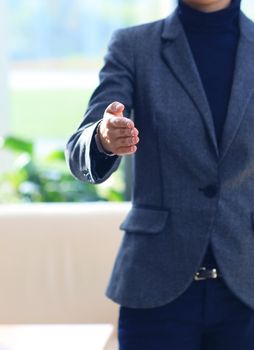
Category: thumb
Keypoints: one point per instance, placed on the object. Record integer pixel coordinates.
(115, 108)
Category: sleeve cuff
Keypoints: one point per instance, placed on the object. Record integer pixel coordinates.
(99, 145)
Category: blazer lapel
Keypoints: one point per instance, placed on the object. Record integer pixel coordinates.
(177, 55)
(243, 84)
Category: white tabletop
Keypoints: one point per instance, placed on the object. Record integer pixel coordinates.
(55, 337)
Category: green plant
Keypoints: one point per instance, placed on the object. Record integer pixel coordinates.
(37, 176)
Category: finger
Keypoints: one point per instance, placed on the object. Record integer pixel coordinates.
(116, 122)
(123, 151)
(115, 133)
(116, 108)
(126, 142)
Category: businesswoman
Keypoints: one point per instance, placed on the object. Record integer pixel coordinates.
(178, 95)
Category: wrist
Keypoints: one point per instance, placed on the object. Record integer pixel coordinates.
(99, 143)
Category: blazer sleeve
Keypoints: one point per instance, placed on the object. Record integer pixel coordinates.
(116, 84)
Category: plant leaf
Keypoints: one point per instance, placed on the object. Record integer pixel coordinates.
(55, 156)
(16, 144)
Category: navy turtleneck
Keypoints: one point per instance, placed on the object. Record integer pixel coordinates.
(213, 39)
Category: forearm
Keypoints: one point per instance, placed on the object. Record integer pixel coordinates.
(85, 161)
(116, 83)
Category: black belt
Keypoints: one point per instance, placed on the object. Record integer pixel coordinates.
(204, 273)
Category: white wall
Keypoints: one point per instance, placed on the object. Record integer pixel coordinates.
(56, 260)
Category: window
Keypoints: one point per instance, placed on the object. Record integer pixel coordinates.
(55, 53)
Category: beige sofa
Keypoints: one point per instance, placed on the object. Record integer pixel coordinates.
(55, 262)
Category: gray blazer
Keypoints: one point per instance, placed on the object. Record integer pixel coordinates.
(187, 189)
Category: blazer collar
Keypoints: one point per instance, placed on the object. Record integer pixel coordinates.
(242, 87)
(177, 55)
(172, 26)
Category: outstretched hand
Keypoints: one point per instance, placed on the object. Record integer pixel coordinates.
(116, 132)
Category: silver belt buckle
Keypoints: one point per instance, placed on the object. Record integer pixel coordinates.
(213, 273)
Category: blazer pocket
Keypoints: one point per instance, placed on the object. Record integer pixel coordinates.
(143, 220)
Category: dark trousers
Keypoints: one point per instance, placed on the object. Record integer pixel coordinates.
(207, 316)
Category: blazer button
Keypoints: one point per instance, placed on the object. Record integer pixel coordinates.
(209, 191)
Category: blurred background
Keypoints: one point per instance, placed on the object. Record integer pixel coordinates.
(51, 53)
(56, 259)
(53, 50)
